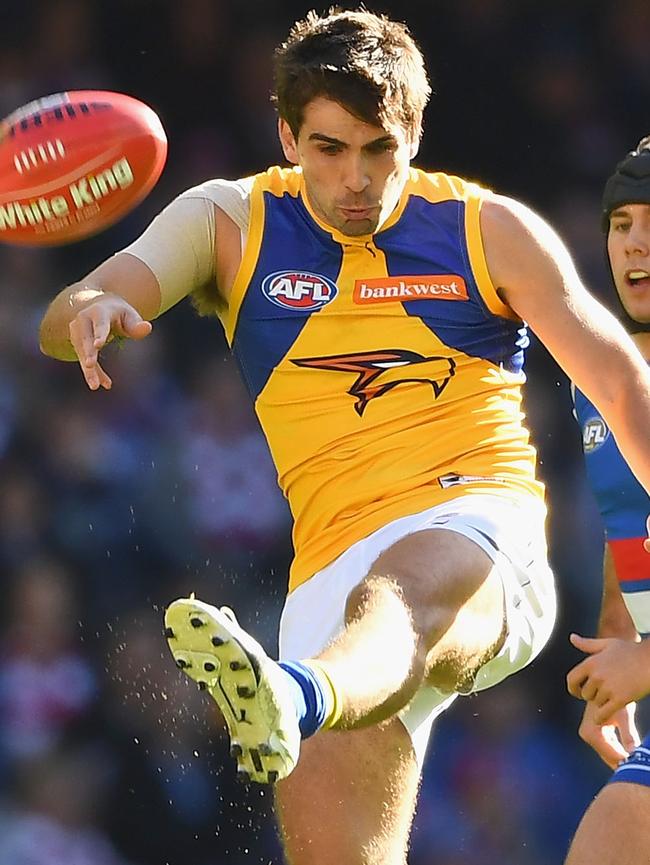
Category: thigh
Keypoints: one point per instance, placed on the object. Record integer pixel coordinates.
(351, 798)
(451, 587)
(616, 829)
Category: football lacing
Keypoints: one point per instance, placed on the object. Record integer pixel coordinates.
(48, 151)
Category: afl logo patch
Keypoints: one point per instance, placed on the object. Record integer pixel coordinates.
(594, 434)
(297, 290)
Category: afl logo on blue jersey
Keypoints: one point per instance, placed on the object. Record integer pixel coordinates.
(300, 291)
(594, 434)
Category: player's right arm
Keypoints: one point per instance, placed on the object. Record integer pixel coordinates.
(174, 257)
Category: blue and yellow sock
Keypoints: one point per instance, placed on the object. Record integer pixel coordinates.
(318, 704)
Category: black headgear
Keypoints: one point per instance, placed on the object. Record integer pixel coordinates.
(629, 184)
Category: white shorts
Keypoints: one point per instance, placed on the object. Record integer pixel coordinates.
(510, 531)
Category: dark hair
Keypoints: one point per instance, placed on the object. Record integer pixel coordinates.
(367, 63)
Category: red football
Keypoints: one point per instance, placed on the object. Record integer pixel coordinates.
(73, 163)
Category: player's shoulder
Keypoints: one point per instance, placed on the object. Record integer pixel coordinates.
(274, 179)
(437, 186)
(216, 189)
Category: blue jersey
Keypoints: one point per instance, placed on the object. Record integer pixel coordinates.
(624, 506)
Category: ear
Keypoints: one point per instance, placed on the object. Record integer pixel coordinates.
(288, 142)
(414, 147)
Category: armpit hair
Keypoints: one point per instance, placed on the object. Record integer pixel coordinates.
(206, 300)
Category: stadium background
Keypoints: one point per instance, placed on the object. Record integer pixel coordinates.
(111, 504)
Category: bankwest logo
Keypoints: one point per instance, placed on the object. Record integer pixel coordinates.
(295, 290)
(441, 286)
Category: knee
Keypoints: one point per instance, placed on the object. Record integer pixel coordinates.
(381, 599)
(380, 595)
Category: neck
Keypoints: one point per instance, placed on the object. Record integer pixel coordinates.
(642, 342)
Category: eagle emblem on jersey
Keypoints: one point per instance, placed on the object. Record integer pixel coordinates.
(381, 371)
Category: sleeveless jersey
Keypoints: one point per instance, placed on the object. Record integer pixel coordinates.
(385, 370)
(624, 506)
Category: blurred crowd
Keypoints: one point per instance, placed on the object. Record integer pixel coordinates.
(114, 503)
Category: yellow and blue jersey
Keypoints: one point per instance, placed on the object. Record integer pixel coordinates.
(624, 506)
(386, 371)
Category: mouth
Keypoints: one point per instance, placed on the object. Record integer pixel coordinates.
(637, 278)
(358, 213)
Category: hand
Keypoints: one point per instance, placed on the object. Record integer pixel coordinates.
(603, 738)
(92, 328)
(646, 543)
(617, 672)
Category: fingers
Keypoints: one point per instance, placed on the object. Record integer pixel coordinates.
(579, 683)
(86, 340)
(104, 380)
(96, 376)
(627, 731)
(607, 709)
(133, 325)
(585, 684)
(589, 691)
(603, 739)
(577, 678)
(608, 747)
(92, 328)
(646, 543)
(574, 684)
(588, 644)
(101, 332)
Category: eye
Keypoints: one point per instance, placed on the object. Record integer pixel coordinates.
(382, 147)
(620, 227)
(329, 149)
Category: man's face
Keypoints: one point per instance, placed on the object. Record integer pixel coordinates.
(628, 246)
(354, 172)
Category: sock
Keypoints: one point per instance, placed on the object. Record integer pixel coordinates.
(334, 699)
(316, 701)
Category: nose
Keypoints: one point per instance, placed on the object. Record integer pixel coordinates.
(356, 174)
(637, 240)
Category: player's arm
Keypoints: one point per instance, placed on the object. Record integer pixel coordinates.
(615, 619)
(116, 299)
(613, 740)
(174, 257)
(616, 671)
(533, 273)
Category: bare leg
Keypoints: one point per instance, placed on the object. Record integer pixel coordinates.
(351, 798)
(432, 605)
(615, 829)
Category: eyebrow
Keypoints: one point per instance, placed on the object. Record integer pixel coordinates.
(623, 211)
(319, 136)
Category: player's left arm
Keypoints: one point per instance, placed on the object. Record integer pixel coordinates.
(534, 274)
